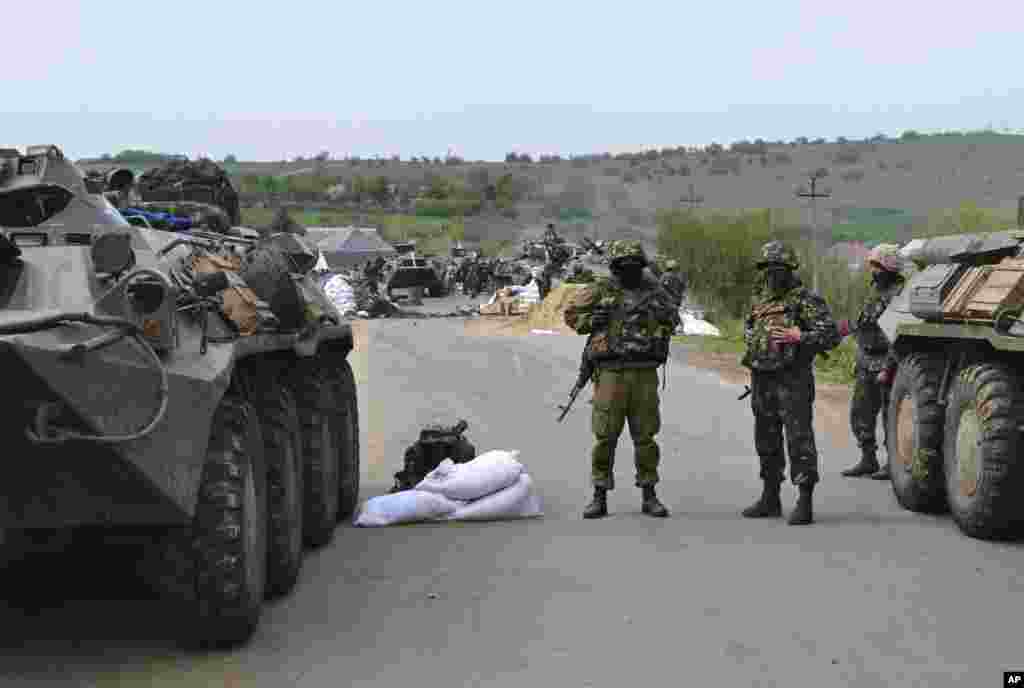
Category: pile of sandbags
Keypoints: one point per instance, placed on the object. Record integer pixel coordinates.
(493, 486)
(341, 294)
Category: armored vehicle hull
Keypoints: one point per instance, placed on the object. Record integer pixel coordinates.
(957, 406)
(151, 387)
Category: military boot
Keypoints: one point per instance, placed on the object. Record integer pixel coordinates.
(769, 505)
(867, 465)
(652, 506)
(803, 513)
(882, 473)
(598, 507)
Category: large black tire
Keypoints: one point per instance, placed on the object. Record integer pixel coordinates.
(282, 447)
(316, 395)
(982, 448)
(348, 441)
(914, 421)
(229, 530)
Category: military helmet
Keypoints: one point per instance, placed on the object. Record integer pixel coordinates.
(627, 248)
(776, 253)
(886, 256)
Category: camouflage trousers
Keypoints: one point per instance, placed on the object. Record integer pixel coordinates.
(784, 400)
(869, 397)
(622, 396)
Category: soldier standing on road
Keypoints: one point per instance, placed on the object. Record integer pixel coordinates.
(788, 325)
(631, 319)
(873, 374)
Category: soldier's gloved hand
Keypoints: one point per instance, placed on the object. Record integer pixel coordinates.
(599, 320)
(786, 335)
(886, 376)
(844, 328)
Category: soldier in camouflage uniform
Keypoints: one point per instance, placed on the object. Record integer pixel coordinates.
(873, 374)
(788, 325)
(630, 319)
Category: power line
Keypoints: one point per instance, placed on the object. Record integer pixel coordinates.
(693, 200)
(814, 194)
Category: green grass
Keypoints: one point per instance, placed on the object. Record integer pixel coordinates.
(837, 369)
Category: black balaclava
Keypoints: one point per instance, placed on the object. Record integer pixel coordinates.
(883, 279)
(778, 279)
(629, 272)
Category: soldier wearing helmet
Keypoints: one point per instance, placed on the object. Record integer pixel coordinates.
(874, 369)
(630, 319)
(788, 325)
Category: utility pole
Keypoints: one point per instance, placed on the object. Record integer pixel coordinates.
(814, 194)
(693, 200)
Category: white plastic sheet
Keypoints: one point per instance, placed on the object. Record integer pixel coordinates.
(515, 501)
(408, 506)
(486, 474)
(692, 325)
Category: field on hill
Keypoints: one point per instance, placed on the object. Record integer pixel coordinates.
(877, 191)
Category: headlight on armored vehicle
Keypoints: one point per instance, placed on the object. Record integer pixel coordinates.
(149, 300)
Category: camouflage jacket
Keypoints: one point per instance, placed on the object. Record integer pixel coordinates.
(641, 323)
(872, 344)
(799, 307)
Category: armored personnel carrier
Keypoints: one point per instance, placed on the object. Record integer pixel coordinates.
(957, 409)
(193, 387)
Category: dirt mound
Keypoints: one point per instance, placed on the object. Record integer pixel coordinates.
(548, 315)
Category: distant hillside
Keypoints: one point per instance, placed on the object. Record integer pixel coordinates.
(894, 181)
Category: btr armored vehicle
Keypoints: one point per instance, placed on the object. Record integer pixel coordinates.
(192, 386)
(956, 414)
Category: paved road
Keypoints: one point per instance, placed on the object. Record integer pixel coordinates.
(870, 596)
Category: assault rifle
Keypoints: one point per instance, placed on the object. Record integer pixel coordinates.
(586, 372)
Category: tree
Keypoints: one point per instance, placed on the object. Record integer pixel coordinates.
(322, 156)
(910, 135)
(230, 159)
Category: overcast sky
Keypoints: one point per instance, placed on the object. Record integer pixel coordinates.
(267, 81)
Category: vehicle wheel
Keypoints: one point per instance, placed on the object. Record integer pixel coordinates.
(914, 421)
(348, 442)
(228, 533)
(982, 446)
(464, 451)
(282, 448)
(316, 400)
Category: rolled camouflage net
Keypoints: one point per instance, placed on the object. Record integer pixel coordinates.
(202, 181)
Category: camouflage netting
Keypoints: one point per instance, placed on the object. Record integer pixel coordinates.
(183, 180)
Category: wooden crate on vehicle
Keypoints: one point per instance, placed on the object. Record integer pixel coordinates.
(955, 304)
(1004, 288)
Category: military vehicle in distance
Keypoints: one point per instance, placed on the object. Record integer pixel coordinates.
(956, 414)
(416, 271)
(187, 386)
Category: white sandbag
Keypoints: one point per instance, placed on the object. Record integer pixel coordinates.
(516, 501)
(407, 506)
(486, 474)
(530, 293)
